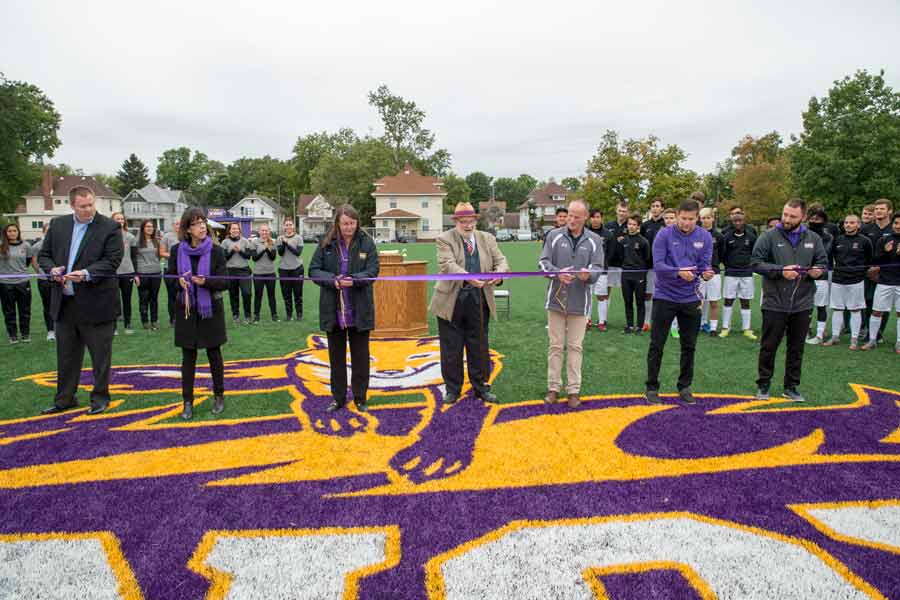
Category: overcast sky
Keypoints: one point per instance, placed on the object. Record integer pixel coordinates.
(509, 87)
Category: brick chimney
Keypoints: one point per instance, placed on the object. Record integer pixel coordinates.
(47, 188)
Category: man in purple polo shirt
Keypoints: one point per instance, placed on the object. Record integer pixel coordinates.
(681, 256)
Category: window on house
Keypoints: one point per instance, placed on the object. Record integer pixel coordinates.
(425, 222)
(393, 204)
(58, 201)
(424, 203)
(384, 223)
(37, 224)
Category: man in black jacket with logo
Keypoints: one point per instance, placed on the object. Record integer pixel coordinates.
(852, 254)
(887, 292)
(81, 252)
(790, 258)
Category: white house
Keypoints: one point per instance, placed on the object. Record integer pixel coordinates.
(545, 201)
(314, 215)
(408, 206)
(263, 211)
(51, 199)
(152, 202)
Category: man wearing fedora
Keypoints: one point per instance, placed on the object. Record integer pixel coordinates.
(464, 307)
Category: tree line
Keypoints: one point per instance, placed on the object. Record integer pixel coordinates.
(847, 155)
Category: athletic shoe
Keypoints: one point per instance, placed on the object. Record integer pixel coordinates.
(601, 326)
(687, 396)
(129, 331)
(115, 332)
(646, 327)
(13, 340)
(762, 392)
(652, 396)
(724, 333)
(748, 333)
(628, 330)
(247, 322)
(829, 342)
(854, 344)
(793, 395)
(705, 328)
(897, 347)
(155, 326)
(588, 325)
(713, 333)
(51, 336)
(675, 334)
(146, 326)
(26, 339)
(868, 346)
(236, 319)
(814, 341)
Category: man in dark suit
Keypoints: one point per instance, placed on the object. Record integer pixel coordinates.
(81, 252)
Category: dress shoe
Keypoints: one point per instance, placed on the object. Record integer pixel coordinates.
(56, 409)
(687, 396)
(489, 397)
(451, 398)
(335, 406)
(96, 410)
(552, 397)
(187, 413)
(574, 401)
(652, 396)
(361, 406)
(218, 404)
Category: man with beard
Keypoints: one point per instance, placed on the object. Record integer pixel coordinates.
(789, 258)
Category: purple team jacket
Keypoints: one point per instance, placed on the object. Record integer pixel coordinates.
(673, 250)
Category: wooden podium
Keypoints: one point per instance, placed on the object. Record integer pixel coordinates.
(400, 306)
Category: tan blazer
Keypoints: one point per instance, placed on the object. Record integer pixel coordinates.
(451, 258)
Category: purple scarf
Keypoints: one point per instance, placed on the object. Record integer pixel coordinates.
(203, 250)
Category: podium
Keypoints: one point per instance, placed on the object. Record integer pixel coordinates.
(400, 306)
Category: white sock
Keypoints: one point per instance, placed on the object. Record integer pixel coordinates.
(713, 324)
(837, 323)
(602, 310)
(674, 326)
(820, 328)
(874, 324)
(745, 318)
(855, 323)
(726, 317)
(704, 314)
(648, 307)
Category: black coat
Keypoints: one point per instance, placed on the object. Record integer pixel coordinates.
(326, 265)
(96, 301)
(194, 332)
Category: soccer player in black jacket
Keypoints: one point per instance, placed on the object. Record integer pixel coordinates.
(817, 221)
(636, 260)
(601, 288)
(737, 247)
(649, 229)
(887, 292)
(851, 253)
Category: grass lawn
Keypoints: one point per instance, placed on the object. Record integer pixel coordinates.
(613, 363)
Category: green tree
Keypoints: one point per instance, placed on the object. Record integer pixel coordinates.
(572, 183)
(457, 191)
(266, 175)
(762, 179)
(480, 184)
(716, 185)
(178, 169)
(133, 175)
(514, 191)
(29, 126)
(309, 150)
(350, 178)
(405, 136)
(849, 151)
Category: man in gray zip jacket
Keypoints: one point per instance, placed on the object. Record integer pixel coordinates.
(790, 258)
(570, 248)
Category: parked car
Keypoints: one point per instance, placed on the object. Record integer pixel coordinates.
(524, 235)
(504, 235)
(406, 238)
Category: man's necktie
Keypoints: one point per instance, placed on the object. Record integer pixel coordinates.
(469, 247)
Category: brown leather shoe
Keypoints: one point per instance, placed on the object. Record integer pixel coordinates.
(574, 401)
(552, 397)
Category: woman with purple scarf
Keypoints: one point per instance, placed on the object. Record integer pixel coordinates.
(343, 266)
(200, 313)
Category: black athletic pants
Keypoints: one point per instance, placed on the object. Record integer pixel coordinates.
(189, 370)
(239, 289)
(777, 325)
(266, 282)
(359, 363)
(16, 297)
(468, 329)
(126, 284)
(633, 290)
(44, 287)
(148, 297)
(663, 313)
(292, 291)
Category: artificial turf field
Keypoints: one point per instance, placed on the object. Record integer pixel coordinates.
(276, 498)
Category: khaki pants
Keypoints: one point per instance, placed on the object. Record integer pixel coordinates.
(565, 331)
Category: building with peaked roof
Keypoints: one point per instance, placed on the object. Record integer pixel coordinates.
(408, 206)
(262, 211)
(545, 201)
(314, 216)
(154, 203)
(492, 211)
(51, 199)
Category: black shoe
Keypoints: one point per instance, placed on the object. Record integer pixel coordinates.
(275, 319)
(187, 413)
(218, 404)
(96, 410)
(489, 397)
(627, 330)
(58, 409)
(236, 318)
(762, 392)
(256, 320)
(451, 398)
(361, 406)
(687, 396)
(335, 406)
(793, 395)
(652, 396)
(299, 318)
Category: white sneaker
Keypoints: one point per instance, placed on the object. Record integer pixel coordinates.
(814, 341)
(51, 336)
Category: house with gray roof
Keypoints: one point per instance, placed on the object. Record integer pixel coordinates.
(152, 202)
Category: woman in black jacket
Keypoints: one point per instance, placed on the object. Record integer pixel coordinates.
(200, 312)
(342, 265)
